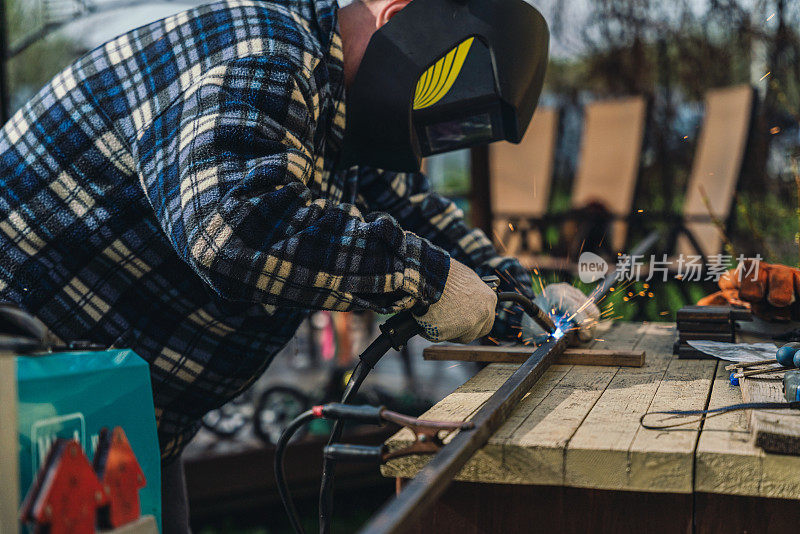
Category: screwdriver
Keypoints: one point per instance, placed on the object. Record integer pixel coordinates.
(788, 357)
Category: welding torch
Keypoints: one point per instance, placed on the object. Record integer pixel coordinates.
(395, 333)
(541, 317)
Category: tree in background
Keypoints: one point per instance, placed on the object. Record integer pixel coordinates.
(37, 64)
(672, 52)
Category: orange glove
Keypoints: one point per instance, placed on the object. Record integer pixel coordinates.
(769, 290)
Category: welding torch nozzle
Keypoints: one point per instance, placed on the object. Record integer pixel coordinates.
(541, 317)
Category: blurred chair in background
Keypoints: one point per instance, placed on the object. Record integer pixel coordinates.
(715, 171)
(602, 192)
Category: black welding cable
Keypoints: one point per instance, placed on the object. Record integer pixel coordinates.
(705, 414)
(280, 475)
(367, 361)
(329, 465)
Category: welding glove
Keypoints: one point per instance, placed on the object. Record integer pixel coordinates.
(769, 290)
(563, 302)
(465, 311)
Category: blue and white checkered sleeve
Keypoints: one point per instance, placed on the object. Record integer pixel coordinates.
(226, 170)
(408, 197)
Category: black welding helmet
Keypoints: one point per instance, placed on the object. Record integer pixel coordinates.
(443, 75)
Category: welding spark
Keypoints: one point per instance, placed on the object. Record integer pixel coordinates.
(764, 76)
(454, 365)
(771, 17)
(500, 241)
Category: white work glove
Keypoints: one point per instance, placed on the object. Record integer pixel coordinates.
(566, 300)
(465, 311)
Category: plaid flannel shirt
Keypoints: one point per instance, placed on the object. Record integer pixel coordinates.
(174, 191)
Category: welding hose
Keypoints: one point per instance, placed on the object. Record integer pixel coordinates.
(395, 333)
(280, 475)
(366, 414)
(712, 412)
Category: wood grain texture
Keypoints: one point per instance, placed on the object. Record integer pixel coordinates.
(579, 427)
(726, 461)
(611, 451)
(775, 431)
(530, 447)
(517, 354)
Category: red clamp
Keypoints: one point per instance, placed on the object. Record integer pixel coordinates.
(66, 494)
(72, 496)
(119, 471)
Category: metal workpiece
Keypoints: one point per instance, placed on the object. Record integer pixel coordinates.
(402, 512)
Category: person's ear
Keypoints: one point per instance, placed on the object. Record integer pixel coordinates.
(389, 9)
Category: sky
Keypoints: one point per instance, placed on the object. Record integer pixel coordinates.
(100, 28)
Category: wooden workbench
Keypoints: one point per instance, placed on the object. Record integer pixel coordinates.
(573, 457)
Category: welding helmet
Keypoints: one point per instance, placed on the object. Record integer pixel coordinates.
(443, 75)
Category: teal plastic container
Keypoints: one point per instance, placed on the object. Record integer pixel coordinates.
(74, 395)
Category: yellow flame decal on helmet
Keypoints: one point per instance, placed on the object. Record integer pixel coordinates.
(436, 82)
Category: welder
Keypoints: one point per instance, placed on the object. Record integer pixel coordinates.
(191, 189)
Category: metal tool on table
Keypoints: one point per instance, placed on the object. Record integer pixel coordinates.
(791, 385)
(751, 360)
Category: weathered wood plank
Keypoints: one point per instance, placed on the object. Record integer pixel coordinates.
(487, 463)
(521, 452)
(773, 430)
(663, 461)
(517, 354)
(727, 460)
(535, 449)
(599, 455)
(593, 413)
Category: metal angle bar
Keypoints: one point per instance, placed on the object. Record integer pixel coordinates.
(402, 512)
(407, 507)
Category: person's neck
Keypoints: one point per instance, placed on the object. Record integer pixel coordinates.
(355, 21)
